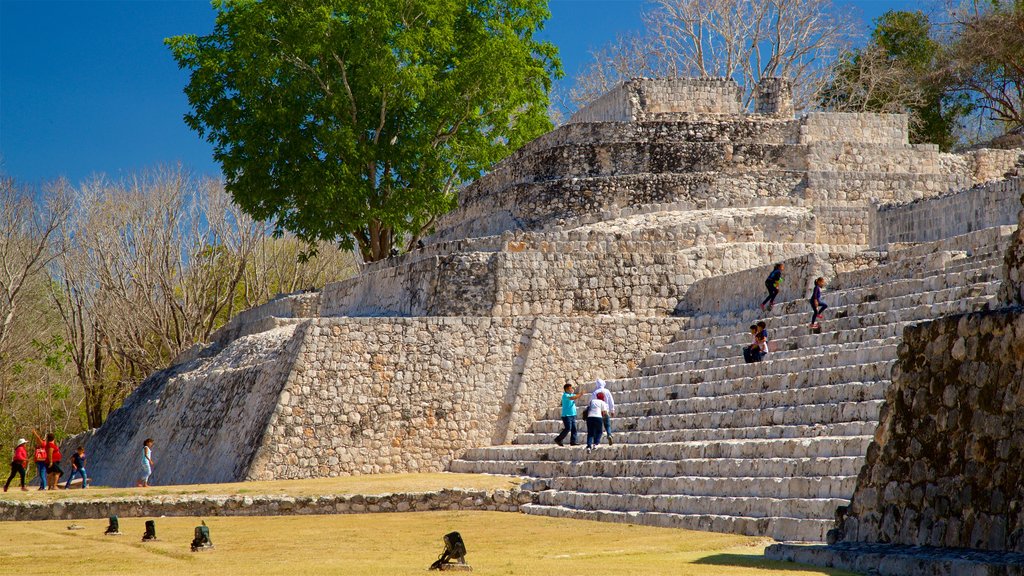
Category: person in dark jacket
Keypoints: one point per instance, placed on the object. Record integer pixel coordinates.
(771, 283)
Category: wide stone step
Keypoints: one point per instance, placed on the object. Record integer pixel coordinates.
(785, 327)
(933, 287)
(779, 528)
(749, 506)
(783, 334)
(702, 467)
(766, 400)
(785, 415)
(676, 385)
(821, 447)
(863, 428)
(742, 486)
(837, 360)
(784, 351)
(792, 321)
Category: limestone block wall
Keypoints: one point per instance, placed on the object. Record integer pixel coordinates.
(865, 128)
(451, 284)
(649, 98)
(408, 394)
(206, 416)
(994, 164)
(532, 206)
(945, 466)
(1011, 291)
(257, 318)
(774, 96)
(984, 206)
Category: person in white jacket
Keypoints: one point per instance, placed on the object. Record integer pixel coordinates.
(597, 410)
(600, 386)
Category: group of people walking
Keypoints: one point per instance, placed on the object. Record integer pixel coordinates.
(598, 414)
(758, 349)
(48, 461)
(774, 281)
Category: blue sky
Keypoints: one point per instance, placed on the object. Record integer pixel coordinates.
(88, 87)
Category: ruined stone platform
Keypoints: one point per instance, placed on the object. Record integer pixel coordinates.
(901, 560)
(631, 245)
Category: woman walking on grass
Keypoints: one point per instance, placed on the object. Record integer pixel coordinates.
(18, 464)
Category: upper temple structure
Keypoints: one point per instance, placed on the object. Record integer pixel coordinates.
(630, 244)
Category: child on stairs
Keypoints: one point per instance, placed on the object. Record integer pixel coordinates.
(817, 306)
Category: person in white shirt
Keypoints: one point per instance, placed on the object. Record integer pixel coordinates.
(602, 387)
(596, 411)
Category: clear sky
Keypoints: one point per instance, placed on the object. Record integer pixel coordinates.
(88, 86)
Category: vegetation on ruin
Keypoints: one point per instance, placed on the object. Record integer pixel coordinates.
(357, 123)
(392, 544)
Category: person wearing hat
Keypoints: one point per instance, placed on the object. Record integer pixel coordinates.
(18, 463)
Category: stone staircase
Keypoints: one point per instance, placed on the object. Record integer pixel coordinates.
(705, 441)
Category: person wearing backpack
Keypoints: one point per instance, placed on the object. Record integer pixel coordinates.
(18, 464)
(53, 458)
(771, 283)
(41, 455)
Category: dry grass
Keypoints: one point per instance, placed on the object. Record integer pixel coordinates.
(383, 544)
(369, 484)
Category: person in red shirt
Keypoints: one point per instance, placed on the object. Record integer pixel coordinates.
(18, 463)
(53, 471)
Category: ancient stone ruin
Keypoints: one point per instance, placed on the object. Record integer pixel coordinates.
(630, 244)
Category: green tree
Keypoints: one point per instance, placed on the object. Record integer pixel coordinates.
(897, 72)
(356, 121)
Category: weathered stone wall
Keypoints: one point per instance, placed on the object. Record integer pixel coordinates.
(1012, 290)
(372, 395)
(264, 505)
(865, 128)
(774, 96)
(743, 290)
(649, 98)
(542, 204)
(254, 320)
(984, 206)
(637, 263)
(945, 467)
(339, 396)
(206, 416)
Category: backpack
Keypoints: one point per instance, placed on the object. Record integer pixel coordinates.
(40, 454)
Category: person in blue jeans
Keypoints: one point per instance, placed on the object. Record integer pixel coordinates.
(77, 467)
(817, 306)
(568, 415)
(596, 411)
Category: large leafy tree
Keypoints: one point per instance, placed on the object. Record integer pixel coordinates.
(356, 121)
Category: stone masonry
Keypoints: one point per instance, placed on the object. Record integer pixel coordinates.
(567, 263)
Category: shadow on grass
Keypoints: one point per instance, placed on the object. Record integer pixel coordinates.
(769, 566)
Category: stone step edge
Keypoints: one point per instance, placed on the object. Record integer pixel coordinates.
(666, 518)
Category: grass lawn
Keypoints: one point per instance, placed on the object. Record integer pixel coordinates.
(367, 484)
(383, 544)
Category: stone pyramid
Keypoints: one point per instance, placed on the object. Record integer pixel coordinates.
(629, 244)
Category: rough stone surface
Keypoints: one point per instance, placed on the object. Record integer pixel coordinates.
(945, 468)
